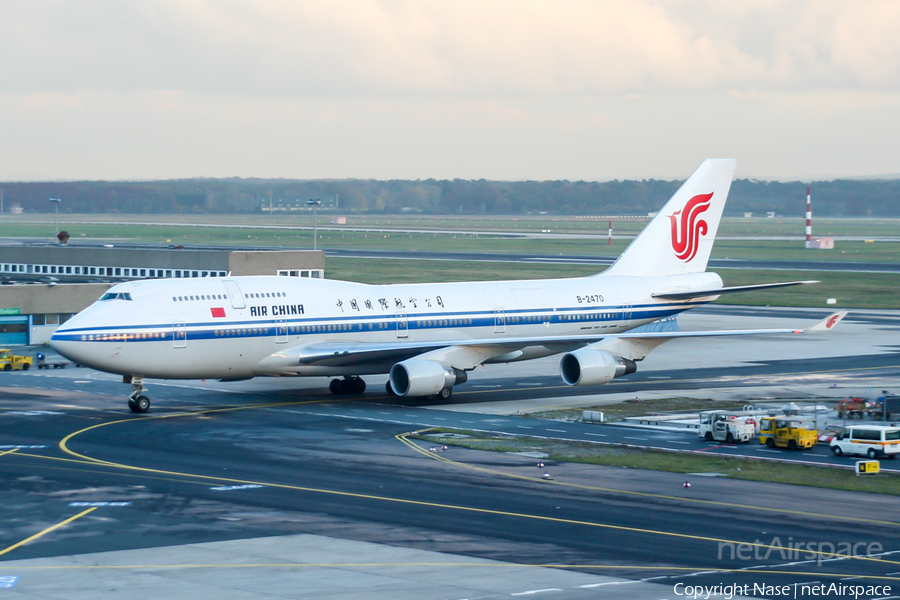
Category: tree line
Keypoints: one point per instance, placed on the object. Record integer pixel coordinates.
(849, 198)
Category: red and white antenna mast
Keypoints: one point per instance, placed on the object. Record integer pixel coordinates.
(808, 217)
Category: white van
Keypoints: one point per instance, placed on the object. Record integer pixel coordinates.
(873, 441)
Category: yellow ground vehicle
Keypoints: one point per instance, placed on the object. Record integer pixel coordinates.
(786, 432)
(10, 361)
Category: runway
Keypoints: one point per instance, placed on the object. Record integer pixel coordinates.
(599, 261)
(275, 488)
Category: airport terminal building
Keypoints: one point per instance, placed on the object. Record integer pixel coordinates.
(45, 284)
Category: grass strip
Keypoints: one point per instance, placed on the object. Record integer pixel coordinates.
(674, 462)
(639, 408)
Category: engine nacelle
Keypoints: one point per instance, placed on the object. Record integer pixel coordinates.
(592, 367)
(416, 377)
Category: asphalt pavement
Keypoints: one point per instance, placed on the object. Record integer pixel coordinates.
(276, 488)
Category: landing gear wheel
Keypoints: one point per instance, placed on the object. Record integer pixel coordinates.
(142, 403)
(137, 401)
(349, 385)
(445, 393)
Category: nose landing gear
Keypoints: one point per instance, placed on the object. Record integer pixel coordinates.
(137, 401)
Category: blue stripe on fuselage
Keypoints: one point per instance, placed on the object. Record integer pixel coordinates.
(358, 323)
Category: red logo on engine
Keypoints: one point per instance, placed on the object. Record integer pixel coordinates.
(687, 230)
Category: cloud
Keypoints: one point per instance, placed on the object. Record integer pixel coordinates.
(591, 89)
(464, 47)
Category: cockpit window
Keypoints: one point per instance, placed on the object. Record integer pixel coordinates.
(115, 296)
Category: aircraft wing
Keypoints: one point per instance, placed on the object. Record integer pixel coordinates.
(342, 354)
(469, 353)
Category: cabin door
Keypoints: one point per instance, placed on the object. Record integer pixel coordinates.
(402, 325)
(499, 320)
(234, 293)
(179, 334)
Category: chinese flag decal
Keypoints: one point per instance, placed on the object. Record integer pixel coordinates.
(218, 312)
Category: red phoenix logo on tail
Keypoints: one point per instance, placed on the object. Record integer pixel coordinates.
(686, 232)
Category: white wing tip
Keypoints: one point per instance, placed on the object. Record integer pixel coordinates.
(829, 322)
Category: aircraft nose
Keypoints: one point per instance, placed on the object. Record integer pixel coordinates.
(70, 343)
(66, 345)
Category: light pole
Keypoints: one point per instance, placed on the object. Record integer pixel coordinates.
(56, 202)
(315, 204)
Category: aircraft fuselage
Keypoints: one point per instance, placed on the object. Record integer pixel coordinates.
(230, 328)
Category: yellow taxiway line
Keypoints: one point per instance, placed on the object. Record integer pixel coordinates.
(48, 530)
(470, 509)
(403, 438)
(424, 452)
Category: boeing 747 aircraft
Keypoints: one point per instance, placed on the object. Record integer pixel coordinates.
(425, 336)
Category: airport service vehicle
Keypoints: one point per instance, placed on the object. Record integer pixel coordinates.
(43, 363)
(890, 408)
(851, 407)
(786, 432)
(426, 337)
(10, 361)
(873, 441)
(723, 426)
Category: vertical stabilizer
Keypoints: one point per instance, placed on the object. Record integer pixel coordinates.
(680, 237)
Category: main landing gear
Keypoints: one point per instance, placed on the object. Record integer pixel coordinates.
(347, 385)
(137, 401)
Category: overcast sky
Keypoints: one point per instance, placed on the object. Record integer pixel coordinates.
(519, 89)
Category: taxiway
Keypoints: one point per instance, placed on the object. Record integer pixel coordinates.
(274, 488)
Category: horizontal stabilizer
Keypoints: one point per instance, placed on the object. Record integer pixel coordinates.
(725, 290)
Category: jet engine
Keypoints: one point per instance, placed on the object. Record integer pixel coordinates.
(416, 377)
(591, 367)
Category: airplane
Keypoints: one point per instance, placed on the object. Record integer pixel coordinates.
(426, 337)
